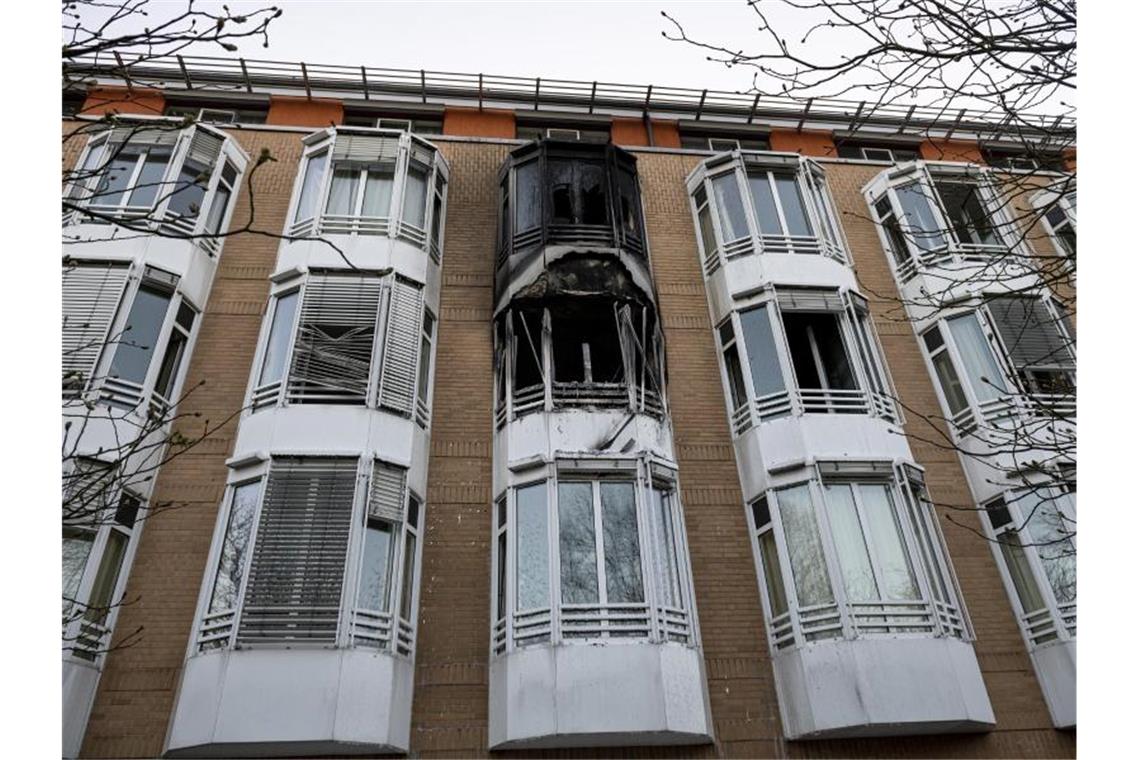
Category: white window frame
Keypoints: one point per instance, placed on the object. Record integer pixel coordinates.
(1043, 202)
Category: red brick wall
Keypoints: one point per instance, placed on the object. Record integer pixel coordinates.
(472, 122)
(303, 112)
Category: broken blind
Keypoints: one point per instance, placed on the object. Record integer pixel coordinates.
(297, 569)
(1030, 333)
(401, 347)
(91, 296)
(386, 494)
(204, 148)
(332, 357)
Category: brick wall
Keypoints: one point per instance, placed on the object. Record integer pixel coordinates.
(450, 704)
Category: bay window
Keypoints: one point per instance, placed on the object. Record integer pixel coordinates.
(853, 551)
(594, 556)
(347, 338)
(804, 351)
(1060, 218)
(1034, 532)
(320, 550)
(369, 182)
(763, 203)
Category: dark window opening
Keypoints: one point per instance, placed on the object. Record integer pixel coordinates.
(577, 192)
(1025, 160)
(528, 349)
(586, 348)
(723, 142)
(818, 355)
(967, 213)
(890, 223)
(872, 151)
(220, 113)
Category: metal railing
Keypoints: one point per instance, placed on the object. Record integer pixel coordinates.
(807, 245)
(592, 623)
(575, 395)
(1009, 410)
(1011, 263)
(208, 73)
(853, 620)
(812, 401)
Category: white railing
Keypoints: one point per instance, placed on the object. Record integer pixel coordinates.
(892, 617)
(121, 392)
(1068, 613)
(812, 401)
(582, 396)
(371, 628)
(1040, 626)
(86, 638)
(592, 622)
(423, 415)
(964, 253)
(265, 395)
(1011, 410)
(808, 245)
(405, 637)
(216, 630)
(168, 222)
(853, 620)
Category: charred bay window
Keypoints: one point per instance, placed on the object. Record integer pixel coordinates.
(371, 182)
(317, 551)
(593, 553)
(578, 353)
(803, 352)
(854, 551)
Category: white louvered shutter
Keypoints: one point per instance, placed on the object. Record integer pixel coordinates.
(798, 299)
(143, 136)
(386, 494)
(91, 296)
(204, 148)
(365, 148)
(332, 357)
(1030, 333)
(296, 573)
(401, 347)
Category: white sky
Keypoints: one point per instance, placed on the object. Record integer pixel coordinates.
(608, 41)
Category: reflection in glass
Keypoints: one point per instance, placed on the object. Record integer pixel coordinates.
(533, 571)
(620, 544)
(576, 543)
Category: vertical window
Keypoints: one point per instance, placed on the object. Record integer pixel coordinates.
(896, 242)
(378, 184)
(920, 222)
(792, 203)
(280, 334)
(1045, 512)
(136, 345)
(437, 212)
(968, 216)
(189, 190)
(1062, 225)
(311, 185)
(944, 370)
(620, 543)
(102, 596)
(704, 222)
(764, 204)
(77, 544)
(805, 550)
(411, 542)
(730, 207)
(982, 371)
(818, 354)
(732, 368)
(376, 566)
(1015, 557)
(1040, 352)
(234, 554)
(532, 583)
(770, 558)
(501, 558)
(577, 543)
(528, 196)
(424, 379)
(665, 548)
(760, 345)
(342, 191)
(415, 194)
(222, 195)
(175, 351)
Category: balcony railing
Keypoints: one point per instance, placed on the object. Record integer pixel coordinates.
(808, 245)
(570, 395)
(1009, 410)
(1012, 264)
(812, 401)
(865, 619)
(146, 218)
(592, 623)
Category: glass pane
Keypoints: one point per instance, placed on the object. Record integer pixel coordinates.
(77, 544)
(103, 589)
(850, 544)
(1052, 534)
(773, 576)
(375, 572)
(501, 584)
(528, 196)
(918, 217)
(981, 368)
(436, 219)
(1018, 565)
(764, 204)
(593, 205)
(218, 209)
(425, 370)
(136, 344)
(378, 190)
(708, 238)
(235, 547)
(576, 547)
(923, 514)
(805, 551)
(620, 544)
(968, 217)
(951, 385)
(342, 191)
(409, 583)
(886, 536)
(171, 362)
(733, 223)
(188, 192)
(792, 202)
(668, 576)
(314, 173)
(273, 366)
(533, 548)
(761, 349)
(415, 195)
(735, 377)
(116, 176)
(150, 180)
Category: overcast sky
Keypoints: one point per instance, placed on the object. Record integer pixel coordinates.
(607, 41)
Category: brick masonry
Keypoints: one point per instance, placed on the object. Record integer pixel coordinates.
(449, 716)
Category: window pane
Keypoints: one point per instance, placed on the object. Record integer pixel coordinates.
(918, 217)
(436, 218)
(805, 551)
(150, 179)
(77, 544)
(378, 190)
(951, 385)
(342, 191)
(528, 196)
(733, 223)
(761, 349)
(375, 572)
(668, 576)
(1052, 534)
(818, 354)
(116, 176)
(981, 368)
(773, 576)
(708, 238)
(136, 344)
(425, 368)
(415, 195)
(218, 209)
(171, 363)
(314, 173)
(533, 548)
(850, 544)
(103, 589)
(792, 202)
(273, 366)
(620, 544)
(735, 377)
(968, 217)
(886, 536)
(235, 547)
(593, 205)
(764, 204)
(1021, 574)
(923, 513)
(188, 192)
(409, 584)
(576, 547)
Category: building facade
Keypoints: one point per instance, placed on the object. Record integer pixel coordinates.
(477, 417)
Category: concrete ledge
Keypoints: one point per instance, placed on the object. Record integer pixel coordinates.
(881, 687)
(599, 695)
(263, 703)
